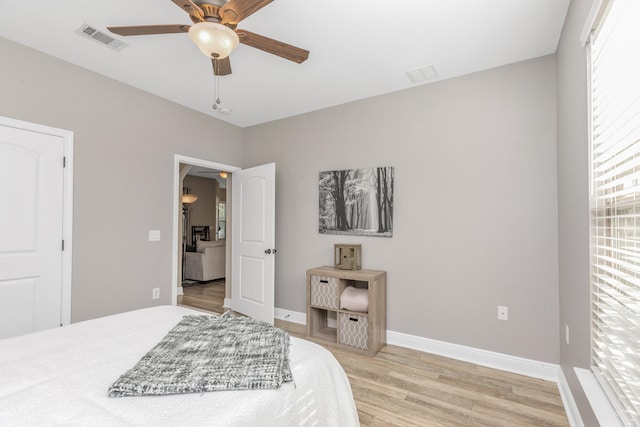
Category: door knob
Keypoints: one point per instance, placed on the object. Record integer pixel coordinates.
(267, 251)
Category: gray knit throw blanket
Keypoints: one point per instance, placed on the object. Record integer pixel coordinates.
(210, 353)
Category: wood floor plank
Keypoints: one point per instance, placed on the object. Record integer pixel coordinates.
(434, 391)
(549, 397)
(207, 296)
(403, 412)
(405, 387)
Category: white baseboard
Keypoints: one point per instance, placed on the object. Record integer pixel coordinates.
(518, 365)
(291, 316)
(280, 313)
(180, 290)
(569, 403)
(504, 362)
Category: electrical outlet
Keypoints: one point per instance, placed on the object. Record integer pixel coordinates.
(503, 312)
(156, 293)
(566, 333)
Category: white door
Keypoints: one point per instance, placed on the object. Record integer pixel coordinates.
(253, 241)
(31, 221)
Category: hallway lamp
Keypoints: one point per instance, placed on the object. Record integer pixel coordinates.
(187, 199)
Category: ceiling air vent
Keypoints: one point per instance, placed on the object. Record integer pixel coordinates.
(100, 37)
(422, 74)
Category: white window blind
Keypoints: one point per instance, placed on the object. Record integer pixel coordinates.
(615, 206)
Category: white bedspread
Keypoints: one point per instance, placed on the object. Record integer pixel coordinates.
(60, 377)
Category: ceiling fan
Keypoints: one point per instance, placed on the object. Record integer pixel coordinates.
(214, 31)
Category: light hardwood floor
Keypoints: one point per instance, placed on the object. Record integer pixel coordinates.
(208, 296)
(404, 387)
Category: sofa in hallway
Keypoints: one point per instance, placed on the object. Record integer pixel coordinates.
(207, 263)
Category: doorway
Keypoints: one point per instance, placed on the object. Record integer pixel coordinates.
(196, 227)
(250, 216)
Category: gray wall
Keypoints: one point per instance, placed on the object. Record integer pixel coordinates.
(475, 221)
(125, 141)
(203, 210)
(573, 202)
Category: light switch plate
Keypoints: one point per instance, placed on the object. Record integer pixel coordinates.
(154, 235)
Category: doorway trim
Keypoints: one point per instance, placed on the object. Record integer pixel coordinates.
(67, 205)
(177, 195)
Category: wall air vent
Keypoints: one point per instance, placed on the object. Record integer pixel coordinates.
(100, 37)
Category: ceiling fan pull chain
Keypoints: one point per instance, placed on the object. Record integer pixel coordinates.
(217, 94)
(217, 90)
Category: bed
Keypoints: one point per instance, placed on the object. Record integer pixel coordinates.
(62, 376)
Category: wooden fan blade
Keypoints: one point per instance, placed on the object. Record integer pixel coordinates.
(235, 11)
(143, 30)
(221, 67)
(272, 46)
(190, 7)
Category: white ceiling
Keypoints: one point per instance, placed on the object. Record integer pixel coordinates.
(358, 48)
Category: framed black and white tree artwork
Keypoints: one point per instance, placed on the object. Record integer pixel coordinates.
(357, 202)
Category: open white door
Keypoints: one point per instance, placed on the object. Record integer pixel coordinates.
(31, 231)
(253, 242)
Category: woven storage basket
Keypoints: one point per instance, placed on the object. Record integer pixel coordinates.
(324, 292)
(353, 330)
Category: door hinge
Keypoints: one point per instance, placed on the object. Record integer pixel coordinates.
(64, 161)
(63, 245)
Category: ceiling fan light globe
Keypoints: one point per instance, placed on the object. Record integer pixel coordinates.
(214, 40)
